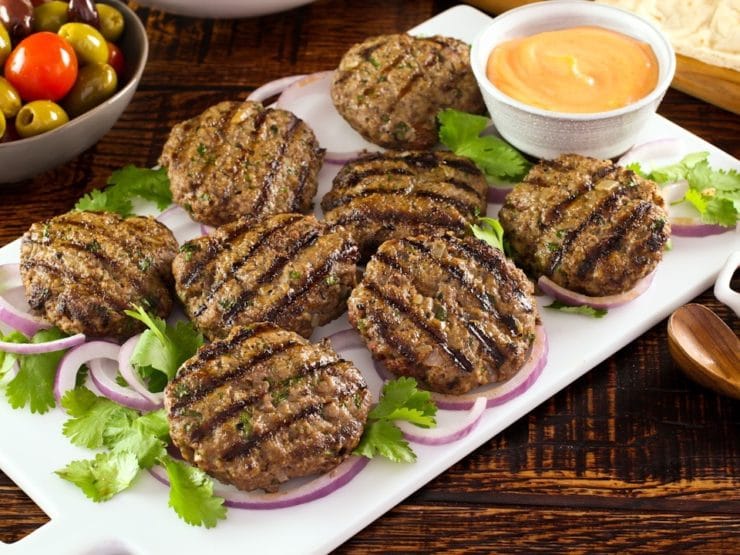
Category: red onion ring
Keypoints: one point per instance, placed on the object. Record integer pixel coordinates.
(346, 339)
(317, 488)
(310, 99)
(40, 348)
(497, 195)
(206, 229)
(652, 150)
(132, 377)
(443, 435)
(19, 320)
(10, 374)
(687, 227)
(268, 90)
(109, 388)
(495, 394)
(573, 298)
(172, 216)
(66, 375)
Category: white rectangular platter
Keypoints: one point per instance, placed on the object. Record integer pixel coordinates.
(139, 520)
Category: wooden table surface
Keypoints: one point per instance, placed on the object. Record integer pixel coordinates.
(633, 456)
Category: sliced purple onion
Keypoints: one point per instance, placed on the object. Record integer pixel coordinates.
(317, 488)
(573, 298)
(651, 151)
(268, 90)
(687, 227)
(10, 374)
(40, 348)
(108, 386)
(496, 194)
(346, 339)
(674, 192)
(66, 375)
(206, 229)
(132, 377)
(19, 320)
(443, 435)
(172, 216)
(310, 99)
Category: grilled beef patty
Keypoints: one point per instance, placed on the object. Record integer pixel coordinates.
(591, 226)
(288, 269)
(398, 194)
(240, 159)
(81, 270)
(390, 88)
(264, 405)
(449, 311)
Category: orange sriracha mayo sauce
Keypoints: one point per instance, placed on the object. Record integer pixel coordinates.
(576, 70)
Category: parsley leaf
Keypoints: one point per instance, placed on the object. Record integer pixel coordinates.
(714, 193)
(90, 417)
(191, 494)
(401, 400)
(126, 184)
(460, 132)
(104, 476)
(162, 347)
(490, 231)
(34, 383)
(582, 309)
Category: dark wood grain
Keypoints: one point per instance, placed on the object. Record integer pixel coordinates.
(631, 457)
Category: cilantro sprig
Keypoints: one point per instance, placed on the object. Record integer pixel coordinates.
(583, 310)
(460, 132)
(490, 231)
(126, 184)
(162, 348)
(714, 193)
(132, 442)
(400, 400)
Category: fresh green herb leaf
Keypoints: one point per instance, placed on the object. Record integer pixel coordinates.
(7, 360)
(490, 231)
(145, 437)
(583, 309)
(191, 494)
(90, 417)
(104, 476)
(400, 400)
(714, 193)
(460, 132)
(126, 184)
(384, 438)
(34, 383)
(163, 347)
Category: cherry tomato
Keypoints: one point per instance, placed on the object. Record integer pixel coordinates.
(116, 60)
(42, 67)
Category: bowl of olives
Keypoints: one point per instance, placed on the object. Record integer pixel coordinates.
(67, 72)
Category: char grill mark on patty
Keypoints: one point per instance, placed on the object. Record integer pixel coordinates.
(461, 206)
(288, 303)
(614, 238)
(214, 382)
(455, 355)
(278, 263)
(225, 413)
(195, 271)
(487, 342)
(269, 185)
(244, 448)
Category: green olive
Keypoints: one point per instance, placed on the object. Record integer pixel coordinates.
(49, 16)
(10, 100)
(88, 43)
(5, 46)
(39, 117)
(111, 22)
(3, 125)
(95, 83)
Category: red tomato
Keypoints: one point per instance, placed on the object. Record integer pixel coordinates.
(42, 67)
(116, 60)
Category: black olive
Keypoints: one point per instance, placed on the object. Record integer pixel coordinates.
(83, 11)
(17, 16)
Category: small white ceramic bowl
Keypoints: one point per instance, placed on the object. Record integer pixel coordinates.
(546, 134)
(224, 8)
(26, 158)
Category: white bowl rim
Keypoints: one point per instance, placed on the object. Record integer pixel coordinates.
(132, 83)
(650, 98)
